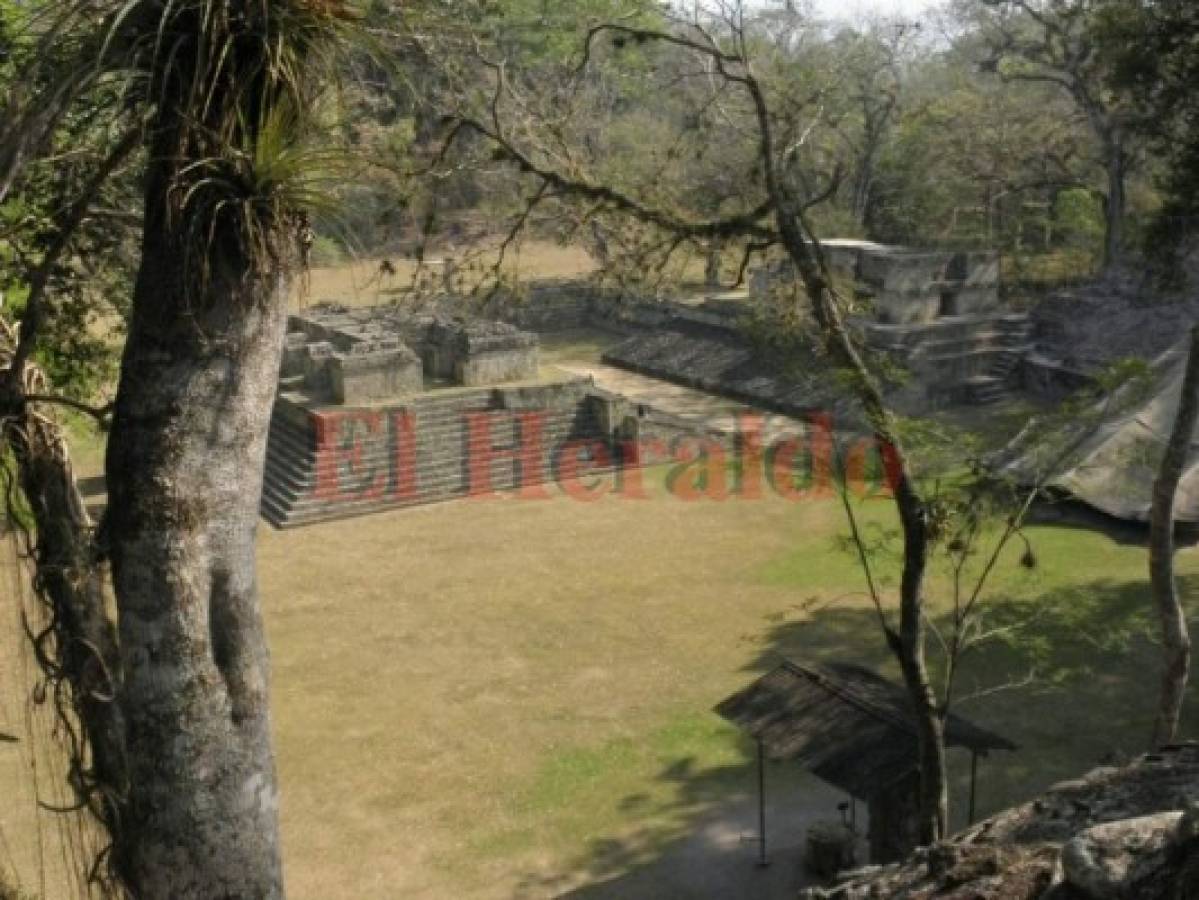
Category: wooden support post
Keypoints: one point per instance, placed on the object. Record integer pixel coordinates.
(973, 784)
(763, 862)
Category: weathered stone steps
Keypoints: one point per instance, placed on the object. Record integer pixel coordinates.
(444, 447)
(960, 359)
(985, 390)
(296, 473)
(285, 511)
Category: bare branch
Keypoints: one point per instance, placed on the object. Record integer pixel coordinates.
(1024, 682)
(747, 224)
(100, 413)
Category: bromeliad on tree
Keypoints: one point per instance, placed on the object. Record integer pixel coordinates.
(219, 94)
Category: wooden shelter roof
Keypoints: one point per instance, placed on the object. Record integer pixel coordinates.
(843, 722)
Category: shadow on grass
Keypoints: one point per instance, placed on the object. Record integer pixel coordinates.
(1072, 679)
(1076, 515)
(709, 849)
(1091, 646)
(1094, 651)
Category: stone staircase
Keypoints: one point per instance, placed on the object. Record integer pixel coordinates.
(959, 359)
(1015, 332)
(424, 450)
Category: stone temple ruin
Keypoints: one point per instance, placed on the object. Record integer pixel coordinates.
(908, 286)
(382, 407)
(348, 356)
(378, 408)
(936, 314)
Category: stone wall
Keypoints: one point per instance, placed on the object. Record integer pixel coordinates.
(371, 374)
(364, 372)
(478, 353)
(549, 305)
(912, 286)
(333, 462)
(363, 355)
(357, 428)
(906, 286)
(949, 359)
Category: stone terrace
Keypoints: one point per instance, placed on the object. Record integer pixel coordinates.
(379, 408)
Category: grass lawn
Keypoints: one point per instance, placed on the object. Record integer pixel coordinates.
(583, 345)
(358, 282)
(493, 699)
(488, 699)
(503, 698)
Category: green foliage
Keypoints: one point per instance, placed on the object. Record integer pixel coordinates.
(1028, 276)
(16, 514)
(89, 287)
(782, 329)
(253, 192)
(1129, 375)
(930, 150)
(540, 32)
(994, 147)
(1078, 215)
(327, 252)
(1154, 48)
(16, 38)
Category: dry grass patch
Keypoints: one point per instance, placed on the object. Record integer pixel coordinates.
(476, 697)
(489, 699)
(464, 691)
(359, 282)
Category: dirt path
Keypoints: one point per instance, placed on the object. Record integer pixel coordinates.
(720, 857)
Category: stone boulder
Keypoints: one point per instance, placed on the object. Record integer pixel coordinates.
(1129, 833)
(1131, 858)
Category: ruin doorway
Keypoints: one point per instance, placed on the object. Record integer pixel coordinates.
(949, 304)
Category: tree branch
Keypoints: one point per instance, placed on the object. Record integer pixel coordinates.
(747, 224)
(100, 413)
(32, 319)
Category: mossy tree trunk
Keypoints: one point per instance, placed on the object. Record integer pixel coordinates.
(184, 468)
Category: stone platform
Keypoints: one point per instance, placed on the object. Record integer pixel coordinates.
(380, 408)
(328, 462)
(349, 355)
(952, 360)
(723, 361)
(936, 315)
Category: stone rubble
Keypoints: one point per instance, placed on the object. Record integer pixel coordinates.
(1127, 833)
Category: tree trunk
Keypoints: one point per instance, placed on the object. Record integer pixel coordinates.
(908, 647)
(599, 247)
(1176, 641)
(712, 265)
(863, 185)
(908, 644)
(71, 581)
(1113, 212)
(934, 801)
(184, 466)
